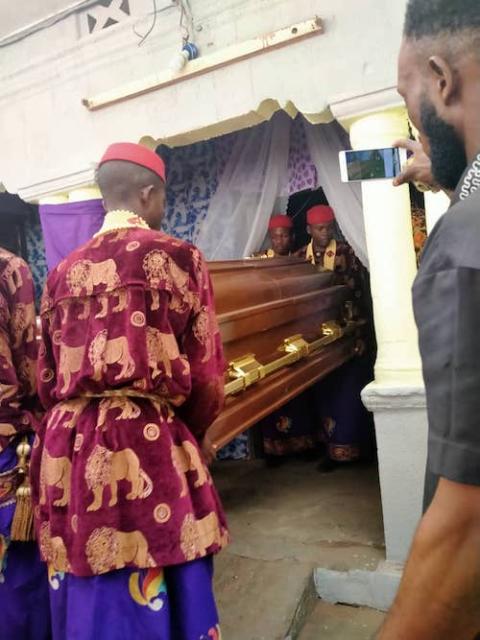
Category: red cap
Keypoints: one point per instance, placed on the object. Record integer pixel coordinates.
(136, 153)
(320, 214)
(280, 222)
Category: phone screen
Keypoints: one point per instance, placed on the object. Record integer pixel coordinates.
(373, 164)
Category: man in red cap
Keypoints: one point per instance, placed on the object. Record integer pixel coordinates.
(346, 427)
(323, 249)
(280, 229)
(131, 376)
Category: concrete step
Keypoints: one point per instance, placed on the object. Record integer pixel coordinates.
(285, 523)
(259, 600)
(340, 622)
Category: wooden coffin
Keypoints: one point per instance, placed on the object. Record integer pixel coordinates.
(281, 314)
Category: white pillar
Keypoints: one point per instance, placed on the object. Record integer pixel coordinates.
(391, 254)
(57, 198)
(397, 396)
(435, 206)
(90, 192)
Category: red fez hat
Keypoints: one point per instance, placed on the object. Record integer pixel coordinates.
(280, 221)
(136, 153)
(320, 214)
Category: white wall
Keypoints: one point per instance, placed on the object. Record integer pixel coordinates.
(47, 133)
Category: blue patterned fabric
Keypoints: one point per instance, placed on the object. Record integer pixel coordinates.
(237, 449)
(36, 256)
(192, 179)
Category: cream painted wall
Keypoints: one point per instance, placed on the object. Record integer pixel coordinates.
(15, 15)
(48, 135)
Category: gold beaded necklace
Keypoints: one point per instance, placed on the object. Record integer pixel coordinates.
(121, 219)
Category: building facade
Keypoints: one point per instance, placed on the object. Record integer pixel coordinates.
(78, 75)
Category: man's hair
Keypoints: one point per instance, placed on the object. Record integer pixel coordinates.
(120, 180)
(432, 18)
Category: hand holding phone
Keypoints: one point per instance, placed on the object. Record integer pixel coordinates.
(419, 168)
(372, 164)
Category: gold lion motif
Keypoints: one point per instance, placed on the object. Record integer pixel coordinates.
(109, 549)
(23, 319)
(5, 353)
(64, 306)
(103, 352)
(74, 406)
(7, 391)
(196, 536)
(55, 472)
(186, 457)
(53, 549)
(85, 275)
(128, 410)
(46, 303)
(202, 331)
(155, 268)
(27, 373)
(13, 275)
(160, 268)
(7, 429)
(122, 296)
(105, 467)
(70, 362)
(209, 533)
(161, 348)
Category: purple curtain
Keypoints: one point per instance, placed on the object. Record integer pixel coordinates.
(67, 226)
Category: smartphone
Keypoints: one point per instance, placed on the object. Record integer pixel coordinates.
(371, 164)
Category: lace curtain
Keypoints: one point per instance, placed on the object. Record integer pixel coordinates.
(254, 177)
(324, 143)
(264, 165)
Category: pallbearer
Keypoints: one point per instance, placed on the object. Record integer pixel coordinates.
(280, 230)
(280, 233)
(131, 376)
(324, 249)
(346, 427)
(25, 613)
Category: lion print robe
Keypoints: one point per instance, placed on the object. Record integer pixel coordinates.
(18, 352)
(18, 348)
(130, 390)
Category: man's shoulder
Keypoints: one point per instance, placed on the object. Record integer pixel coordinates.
(455, 240)
(9, 263)
(9, 258)
(176, 247)
(117, 257)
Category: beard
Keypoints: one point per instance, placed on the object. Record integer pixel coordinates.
(447, 151)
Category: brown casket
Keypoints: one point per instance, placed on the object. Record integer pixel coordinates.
(284, 326)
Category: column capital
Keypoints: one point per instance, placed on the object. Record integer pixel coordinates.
(57, 198)
(90, 192)
(379, 129)
(388, 229)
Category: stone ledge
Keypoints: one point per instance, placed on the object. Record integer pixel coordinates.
(374, 589)
(377, 397)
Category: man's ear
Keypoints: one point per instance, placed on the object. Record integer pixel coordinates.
(145, 193)
(309, 230)
(444, 78)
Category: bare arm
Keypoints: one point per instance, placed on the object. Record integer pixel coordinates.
(439, 597)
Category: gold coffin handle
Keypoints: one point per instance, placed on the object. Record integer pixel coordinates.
(246, 371)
